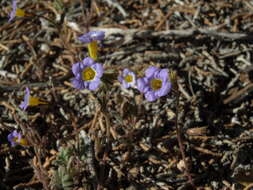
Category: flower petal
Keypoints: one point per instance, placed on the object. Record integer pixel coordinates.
(85, 38)
(99, 69)
(125, 84)
(97, 35)
(87, 61)
(27, 90)
(141, 84)
(79, 84)
(91, 36)
(134, 78)
(125, 72)
(24, 104)
(150, 96)
(120, 78)
(94, 85)
(10, 137)
(163, 74)
(151, 71)
(13, 12)
(165, 89)
(76, 68)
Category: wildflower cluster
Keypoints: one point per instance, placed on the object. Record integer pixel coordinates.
(88, 73)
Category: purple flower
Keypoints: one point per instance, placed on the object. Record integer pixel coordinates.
(14, 138)
(87, 74)
(13, 12)
(24, 104)
(92, 36)
(91, 39)
(30, 100)
(155, 84)
(128, 78)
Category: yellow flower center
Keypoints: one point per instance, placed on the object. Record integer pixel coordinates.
(88, 74)
(93, 50)
(20, 12)
(128, 78)
(22, 141)
(34, 101)
(156, 84)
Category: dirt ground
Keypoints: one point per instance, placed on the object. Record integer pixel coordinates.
(199, 136)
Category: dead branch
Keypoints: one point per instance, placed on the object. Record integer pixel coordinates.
(186, 33)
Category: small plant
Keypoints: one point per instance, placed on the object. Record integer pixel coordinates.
(63, 174)
(66, 171)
